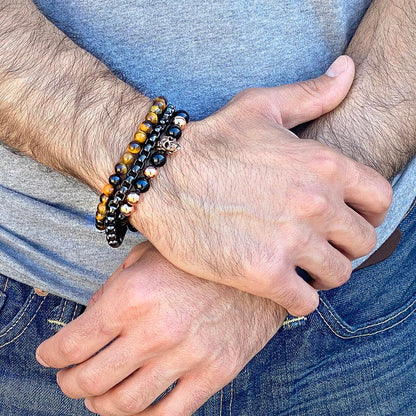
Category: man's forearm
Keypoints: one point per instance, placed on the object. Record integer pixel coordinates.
(376, 124)
(59, 104)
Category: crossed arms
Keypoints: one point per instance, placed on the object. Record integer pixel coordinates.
(250, 254)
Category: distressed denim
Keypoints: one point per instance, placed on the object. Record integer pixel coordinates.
(27, 317)
(355, 355)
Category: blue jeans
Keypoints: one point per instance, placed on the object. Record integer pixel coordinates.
(356, 354)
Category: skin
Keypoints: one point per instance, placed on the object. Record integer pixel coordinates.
(21, 124)
(167, 325)
(171, 326)
(376, 125)
(243, 235)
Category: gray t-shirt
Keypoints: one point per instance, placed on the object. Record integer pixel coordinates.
(198, 54)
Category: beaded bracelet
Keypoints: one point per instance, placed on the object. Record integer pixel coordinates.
(158, 136)
(156, 110)
(145, 167)
(119, 207)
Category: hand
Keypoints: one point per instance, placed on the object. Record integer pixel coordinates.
(246, 202)
(151, 325)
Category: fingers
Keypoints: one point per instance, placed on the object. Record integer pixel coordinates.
(117, 361)
(367, 192)
(326, 265)
(308, 100)
(136, 392)
(80, 339)
(351, 234)
(185, 399)
(292, 293)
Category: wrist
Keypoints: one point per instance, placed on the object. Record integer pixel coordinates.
(114, 127)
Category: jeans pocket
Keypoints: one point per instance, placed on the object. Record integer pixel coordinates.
(19, 305)
(378, 297)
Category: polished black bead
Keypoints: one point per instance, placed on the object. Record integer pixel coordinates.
(170, 109)
(174, 131)
(142, 185)
(158, 129)
(113, 203)
(114, 180)
(159, 159)
(135, 170)
(111, 235)
(182, 113)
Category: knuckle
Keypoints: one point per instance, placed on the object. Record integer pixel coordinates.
(264, 276)
(343, 272)
(336, 268)
(65, 388)
(385, 196)
(327, 161)
(69, 349)
(249, 95)
(314, 205)
(253, 100)
(313, 93)
(89, 383)
(369, 240)
(311, 87)
(128, 402)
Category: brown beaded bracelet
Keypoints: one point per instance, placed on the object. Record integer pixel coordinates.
(156, 110)
(156, 138)
(116, 225)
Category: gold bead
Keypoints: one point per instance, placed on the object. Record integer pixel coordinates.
(134, 147)
(180, 122)
(121, 168)
(157, 109)
(146, 126)
(150, 172)
(108, 190)
(126, 209)
(152, 117)
(99, 217)
(127, 158)
(140, 136)
(161, 100)
(133, 198)
(102, 209)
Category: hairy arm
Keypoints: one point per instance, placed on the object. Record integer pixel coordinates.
(59, 104)
(376, 124)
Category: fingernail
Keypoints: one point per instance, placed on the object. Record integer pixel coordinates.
(40, 361)
(339, 66)
(89, 406)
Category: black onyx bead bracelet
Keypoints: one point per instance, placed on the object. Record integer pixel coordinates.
(156, 139)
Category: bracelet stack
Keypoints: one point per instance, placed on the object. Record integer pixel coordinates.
(156, 138)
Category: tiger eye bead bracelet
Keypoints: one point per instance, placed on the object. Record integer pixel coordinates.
(156, 138)
(128, 158)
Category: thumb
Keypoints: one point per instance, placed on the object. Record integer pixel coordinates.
(308, 100)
